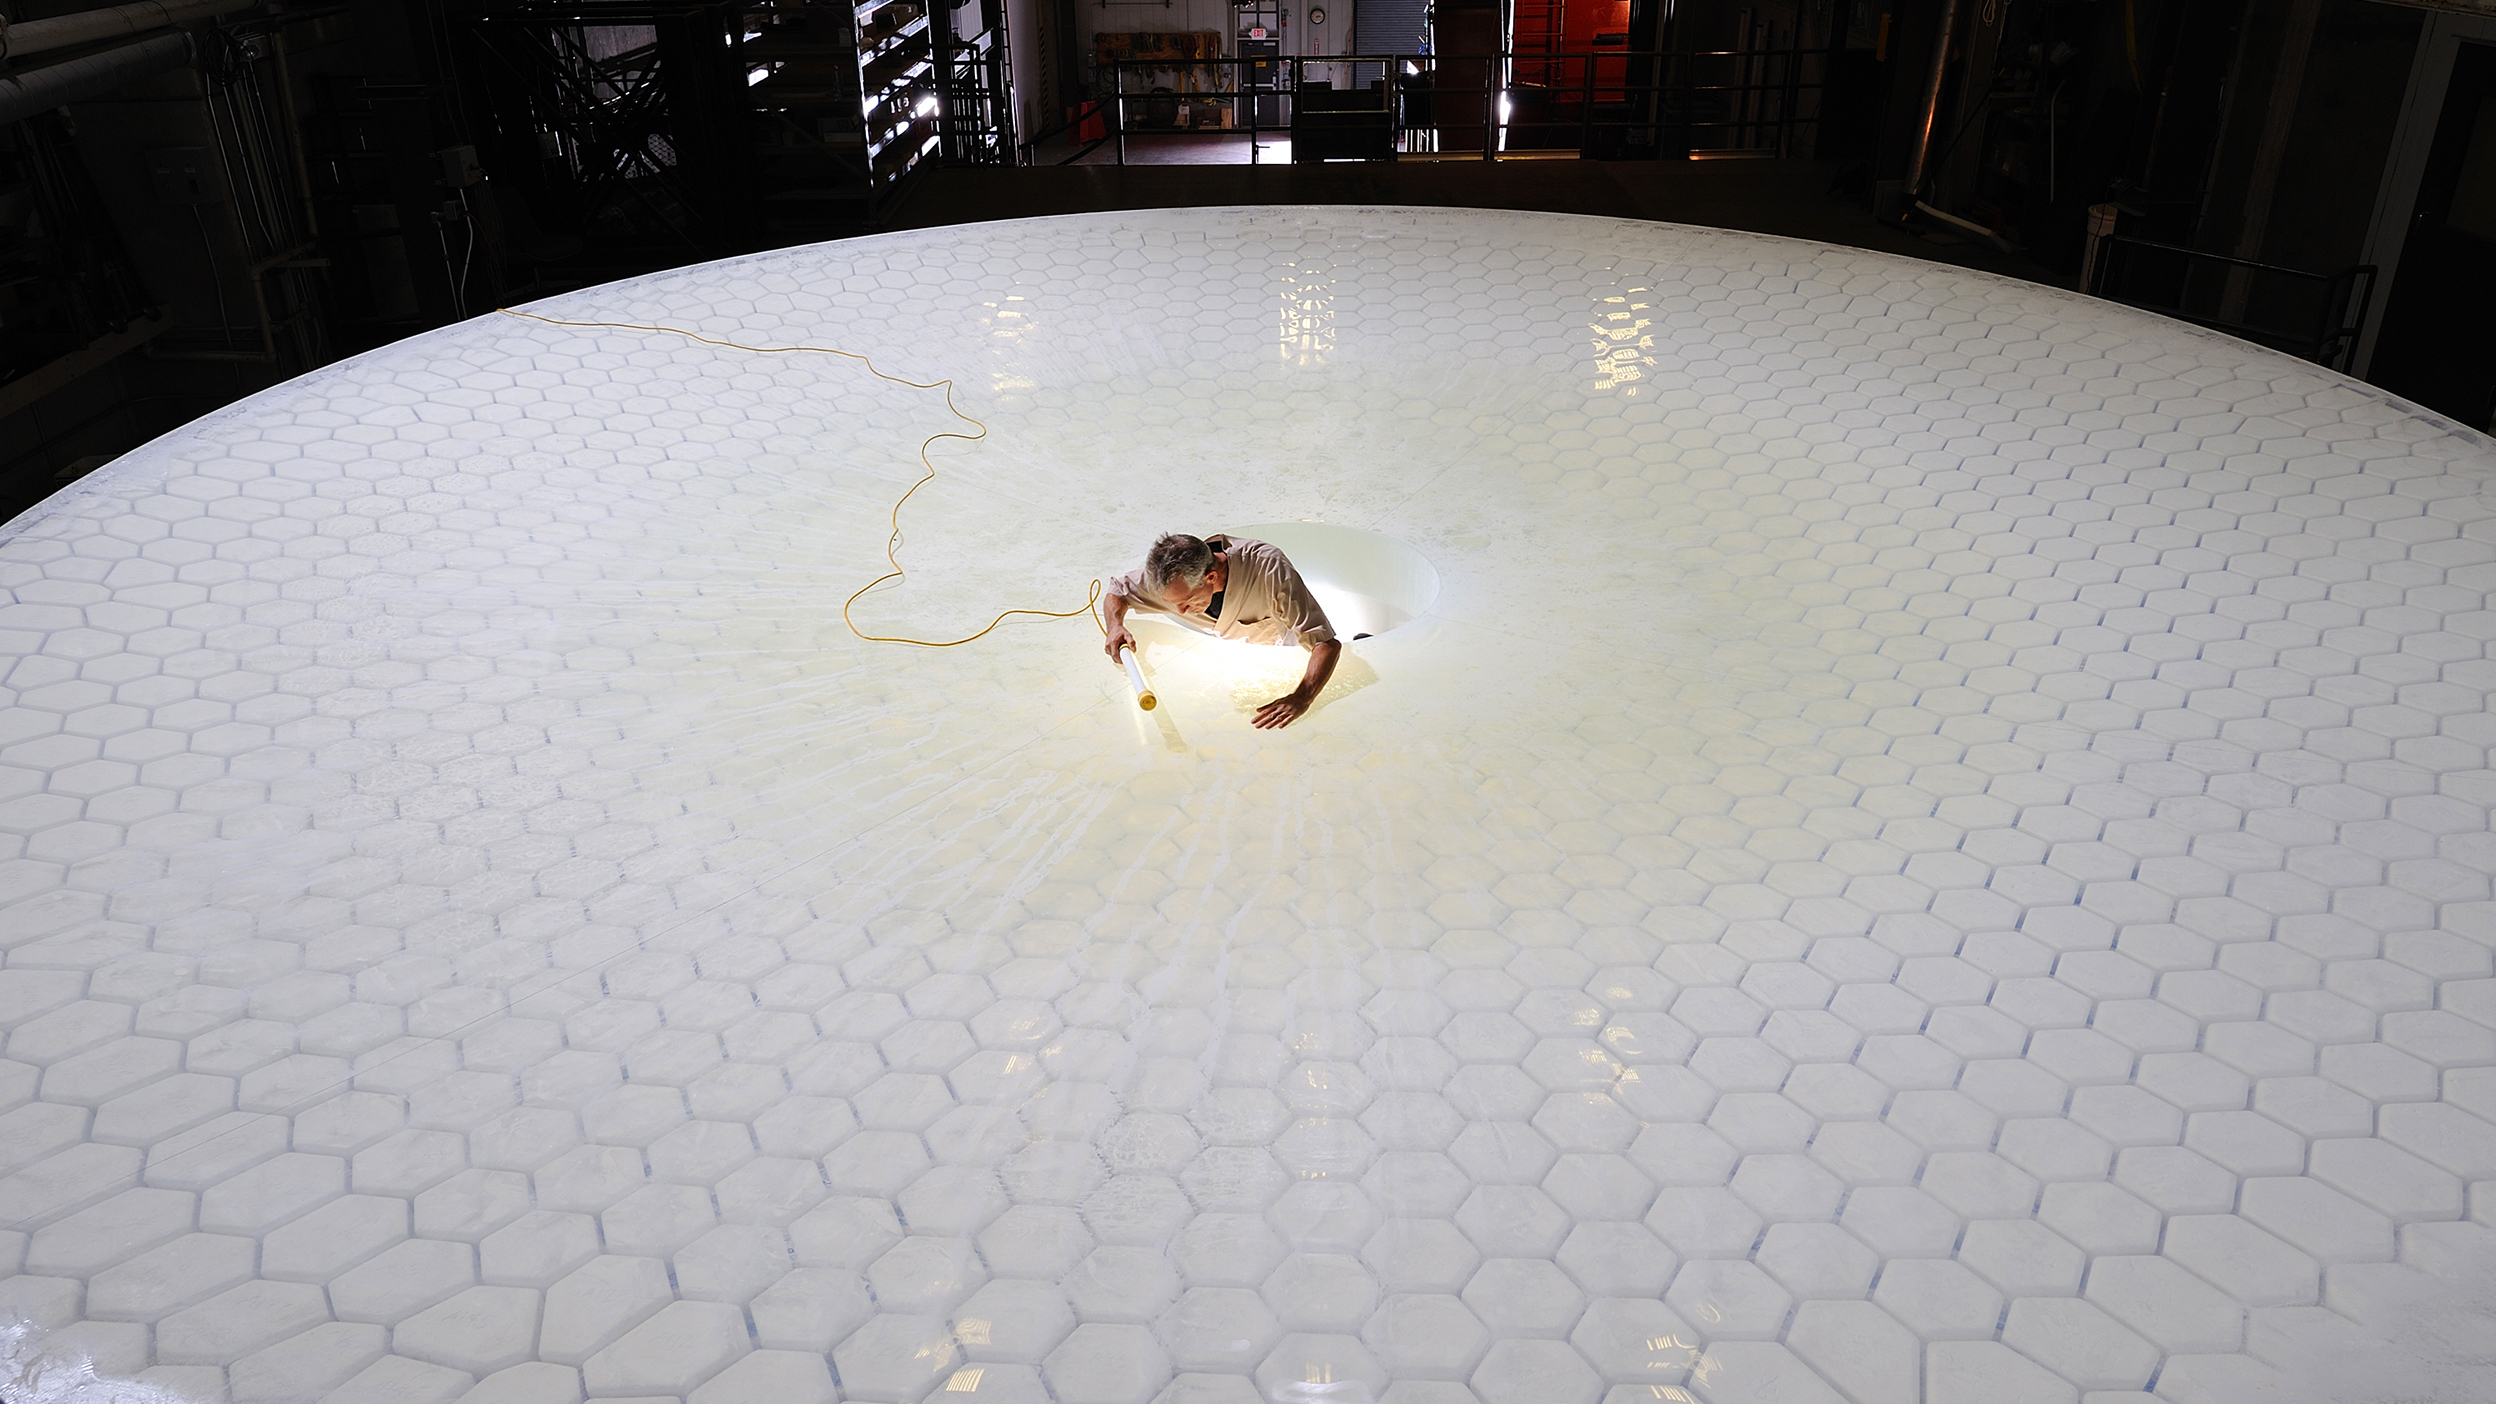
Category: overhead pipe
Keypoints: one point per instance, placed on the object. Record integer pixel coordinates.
(1971, 226)
(1930, 117)
(22, 95)
(294, 132)
(111, 22)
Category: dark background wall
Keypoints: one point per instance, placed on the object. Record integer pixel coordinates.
(2339, 132)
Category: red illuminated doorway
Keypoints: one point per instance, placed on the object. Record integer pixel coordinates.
(1554, 76)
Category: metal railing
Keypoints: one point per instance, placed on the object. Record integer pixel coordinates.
(1615, 103)
(1027, 151)
(2316, 316)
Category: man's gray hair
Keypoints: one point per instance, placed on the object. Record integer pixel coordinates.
(1178, 559)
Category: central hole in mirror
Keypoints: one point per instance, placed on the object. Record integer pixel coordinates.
(1366, 583)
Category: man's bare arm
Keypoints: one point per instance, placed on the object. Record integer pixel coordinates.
(1285, 710)
(1115, 606)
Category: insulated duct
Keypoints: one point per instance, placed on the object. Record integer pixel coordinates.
(22, 95)
(88, 26)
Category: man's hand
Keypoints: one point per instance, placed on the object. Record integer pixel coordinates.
(1114, 608)
(1282, 711)
(1285, 710)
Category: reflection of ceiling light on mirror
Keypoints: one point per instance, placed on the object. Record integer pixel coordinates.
(756, 75)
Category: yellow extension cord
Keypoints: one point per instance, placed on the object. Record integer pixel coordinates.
(892, 543)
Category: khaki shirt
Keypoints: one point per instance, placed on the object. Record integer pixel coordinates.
(1264, 600)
